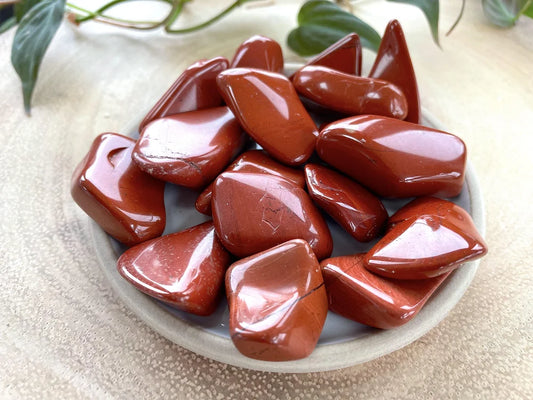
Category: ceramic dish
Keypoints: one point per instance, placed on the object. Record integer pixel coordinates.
(343, 342)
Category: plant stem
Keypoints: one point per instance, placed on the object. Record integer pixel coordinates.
(236, 4)
(524, 8)
(98, 16)
(458, 18)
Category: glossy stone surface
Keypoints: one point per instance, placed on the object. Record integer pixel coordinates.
(268, 108)
(357, 210)
(194, 89)
(369, 299)
(395, 158)
(350, 94)
(106, 186)
(253, 212)
(189, 149)
(259, 52)
(252, 161)
(427, 238)
(277, 303)
(184, 269)
(344, 55)
(393, 64)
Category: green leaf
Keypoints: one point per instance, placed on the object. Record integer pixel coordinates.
(430, 8)
(528, 12)
(22, 7)
(34, 34)
(8, 24)
(322, 23)
(503, 13)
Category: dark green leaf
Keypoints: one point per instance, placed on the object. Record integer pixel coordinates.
(22, 7)
(430, 8)
(322, 23)
(528, 12)
(8, 24)
(34, 34)
(503, 13)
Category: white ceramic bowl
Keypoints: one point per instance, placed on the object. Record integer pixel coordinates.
(343, 342)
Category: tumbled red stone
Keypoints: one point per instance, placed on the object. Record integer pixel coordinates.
(189, 149)
(357, 294)
(427, 238)
(277, 303)
(185, 269)
(259, 52)
(350, 94)
(395, 158)
(252, 161)
(194, 89)
(357, 210)
(393, 64)
(253, 212)
(106, 186)
(345, 55)
(269, 110)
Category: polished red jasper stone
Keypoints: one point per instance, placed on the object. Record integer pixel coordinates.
(194, 89)
(350, 94)
(259, 52)
(357, 210)
(277, 302)
(428, 238)
(252, 161)
(106, 186)
(344, 55)
(184, 269)
(393, 64)
(189, 149)
(369, 299)
(253, 212)
(395, 158)
(268, 108)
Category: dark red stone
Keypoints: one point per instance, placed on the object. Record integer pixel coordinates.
(195, 89)
(344, 55)
(106, 186)
(184, 269)
(369, 299)
(189, 149)
(259, 52)
(268, 108)
(253, 212)
(277, 303)
(350, 94)
(393, 64)
(395, 158)
(429, 237)
(252, 161)
(357, 210)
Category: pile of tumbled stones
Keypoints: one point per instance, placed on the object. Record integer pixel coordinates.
(268, 241)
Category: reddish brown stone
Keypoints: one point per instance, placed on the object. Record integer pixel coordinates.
(344, 55)
(277, 303)
(106, 186)
(195, 89)
(259, 52)
(395, 158)
(189, 149)
(357, 210)
(184, 269)
(252, 161)
(393, 64)
(369, 299)
(253, 212)
(427, 238)
(268, 108)
(350, 94)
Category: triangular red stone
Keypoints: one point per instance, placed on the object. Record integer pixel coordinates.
(393, 64)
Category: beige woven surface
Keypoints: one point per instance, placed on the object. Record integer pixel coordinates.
(64, 333)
